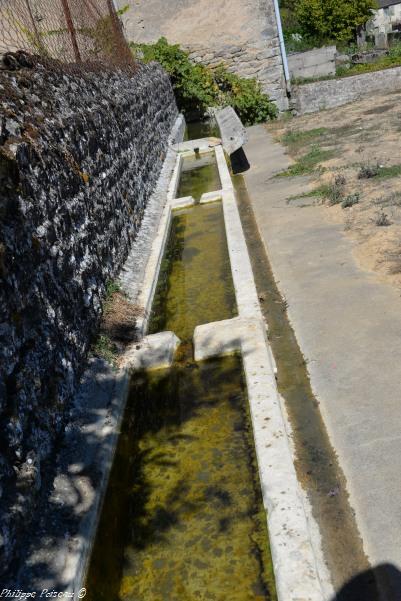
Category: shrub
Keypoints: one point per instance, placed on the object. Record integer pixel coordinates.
(337, 20)
(369, 170)
(198, 87)
(335, 191)
(351, 200)
(381, 219)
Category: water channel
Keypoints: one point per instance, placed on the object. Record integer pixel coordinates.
(183, 518)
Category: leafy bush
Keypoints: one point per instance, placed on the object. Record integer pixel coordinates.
(198, 87)
(337, 20)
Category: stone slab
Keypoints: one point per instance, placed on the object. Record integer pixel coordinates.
(233, 133)
(155, 351)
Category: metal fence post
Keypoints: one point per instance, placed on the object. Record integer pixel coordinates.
(71, 29)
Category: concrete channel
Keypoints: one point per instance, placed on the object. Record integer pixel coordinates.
(300, 573)
(299, 569)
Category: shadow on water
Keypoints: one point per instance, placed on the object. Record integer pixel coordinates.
(183, 516)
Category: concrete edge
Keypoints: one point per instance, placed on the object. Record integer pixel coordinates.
(298, 562)
(78, 557)
(151, 276)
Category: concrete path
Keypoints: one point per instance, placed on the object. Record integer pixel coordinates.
(348, 325)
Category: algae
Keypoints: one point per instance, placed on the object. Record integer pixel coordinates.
(199, 175)
(195, 283)
(183, 518)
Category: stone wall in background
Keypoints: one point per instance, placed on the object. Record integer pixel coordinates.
(242, 34)
(318, 62)
(79, 157)
(320, 95)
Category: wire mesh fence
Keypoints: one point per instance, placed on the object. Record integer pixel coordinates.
(75, 32)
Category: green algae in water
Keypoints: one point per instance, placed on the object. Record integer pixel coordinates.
(195, 284)
(198, 176)
(183, 518)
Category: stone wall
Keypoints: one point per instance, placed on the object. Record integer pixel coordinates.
(320, 95)
(79, 158)
(313, 63)
(242, 34)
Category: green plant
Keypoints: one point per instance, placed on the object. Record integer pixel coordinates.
(245, 96)
(369, 170)
(112, 286)
(308, 162)
(336, 20)
(297, 139)
(198, 87)
(334, 192)
(351, 200)
(390, 171)
(105, 349)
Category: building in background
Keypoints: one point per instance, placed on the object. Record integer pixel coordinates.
(385, 27)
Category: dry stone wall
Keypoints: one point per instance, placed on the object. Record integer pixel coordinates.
(79, 158)
(242, 34)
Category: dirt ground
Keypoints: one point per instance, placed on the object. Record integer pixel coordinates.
(353, 155)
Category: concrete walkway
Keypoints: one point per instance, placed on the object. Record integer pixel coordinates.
(348, 325)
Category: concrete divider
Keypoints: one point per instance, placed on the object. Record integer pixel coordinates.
(299, 570)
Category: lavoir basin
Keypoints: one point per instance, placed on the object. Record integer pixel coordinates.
(183, 518)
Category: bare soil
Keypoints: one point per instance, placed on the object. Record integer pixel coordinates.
(360, 135)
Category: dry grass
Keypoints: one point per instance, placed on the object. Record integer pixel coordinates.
(362, 154)
(118, 326)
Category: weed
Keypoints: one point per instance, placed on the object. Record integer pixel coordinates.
(105, 349)
(334, 192)
(381, 219)
(316, 192)
(394, 258)
(393, 200)
(297, 138)
(351, 200)
(392, 171)
(369, 170)
(112, 287)
(349, 221)
(308, 162)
